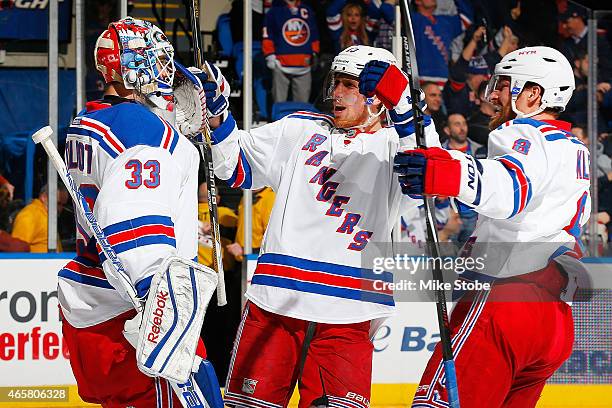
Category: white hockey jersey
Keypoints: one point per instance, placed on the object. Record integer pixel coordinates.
(335, 193)
(532, 196)
(140, 177)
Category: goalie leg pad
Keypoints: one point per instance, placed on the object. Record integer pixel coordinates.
(202, 389)
(173, 317)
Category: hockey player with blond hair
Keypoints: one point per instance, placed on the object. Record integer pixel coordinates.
(312, 308)
(532, 197)
(138, 175)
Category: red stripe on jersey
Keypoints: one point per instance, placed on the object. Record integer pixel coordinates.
(240, 175)
(323, 278)
(167, 135)
(522, 179)
(77, 267)
(544, 129)
(135, 233)
(104, 132)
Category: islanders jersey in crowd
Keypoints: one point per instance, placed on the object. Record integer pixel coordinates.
(139, 176)
(525, 217)
(291, 34)
(335, 193)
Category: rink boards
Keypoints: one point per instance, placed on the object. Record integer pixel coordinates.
(32, 351)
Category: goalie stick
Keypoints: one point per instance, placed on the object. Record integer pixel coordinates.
(410, 66)
(206, 152)
(186, 392)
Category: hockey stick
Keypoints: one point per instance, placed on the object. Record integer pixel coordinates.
(43, 137)
(185, 392)
(206, 153)
(410, 66)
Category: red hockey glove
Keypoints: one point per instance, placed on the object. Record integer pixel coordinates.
(430, 171)
(385, 81)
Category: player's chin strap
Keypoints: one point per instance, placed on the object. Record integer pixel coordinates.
(371, 116)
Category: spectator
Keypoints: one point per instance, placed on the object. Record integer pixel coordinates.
(386, 24)
(604, 99)
(7, 242)
(227, 225)
(576, 109)
(6, 185)
(470, 70)
(574, 19)
(497, 14)
(604, 163)
(478, 122)
(433, 35)
(30, 225)
(369, 13)
(433, 99)
(457, 131)
(290, 45)
(536, 21)
(263, 199)
(349, 26)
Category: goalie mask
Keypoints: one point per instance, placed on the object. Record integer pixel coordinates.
(348, 64)
(137, 54)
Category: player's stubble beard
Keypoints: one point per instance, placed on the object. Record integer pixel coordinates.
(500, 116)
(352, 120)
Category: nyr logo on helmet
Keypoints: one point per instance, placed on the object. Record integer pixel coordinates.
(296, 32)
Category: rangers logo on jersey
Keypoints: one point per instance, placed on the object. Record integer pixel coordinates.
(248, 386)
(296, 32)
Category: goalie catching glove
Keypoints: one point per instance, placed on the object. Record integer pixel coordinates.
(166, 333)
(198, 95)
(439, 172)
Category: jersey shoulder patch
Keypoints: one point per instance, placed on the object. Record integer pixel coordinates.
(126, 125)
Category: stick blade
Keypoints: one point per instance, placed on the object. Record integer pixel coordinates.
(42, 134)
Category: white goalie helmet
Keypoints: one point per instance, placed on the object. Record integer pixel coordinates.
(544, 66)
(351, 62)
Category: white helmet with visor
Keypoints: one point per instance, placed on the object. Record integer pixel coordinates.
(351, 62)
(543, 66)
